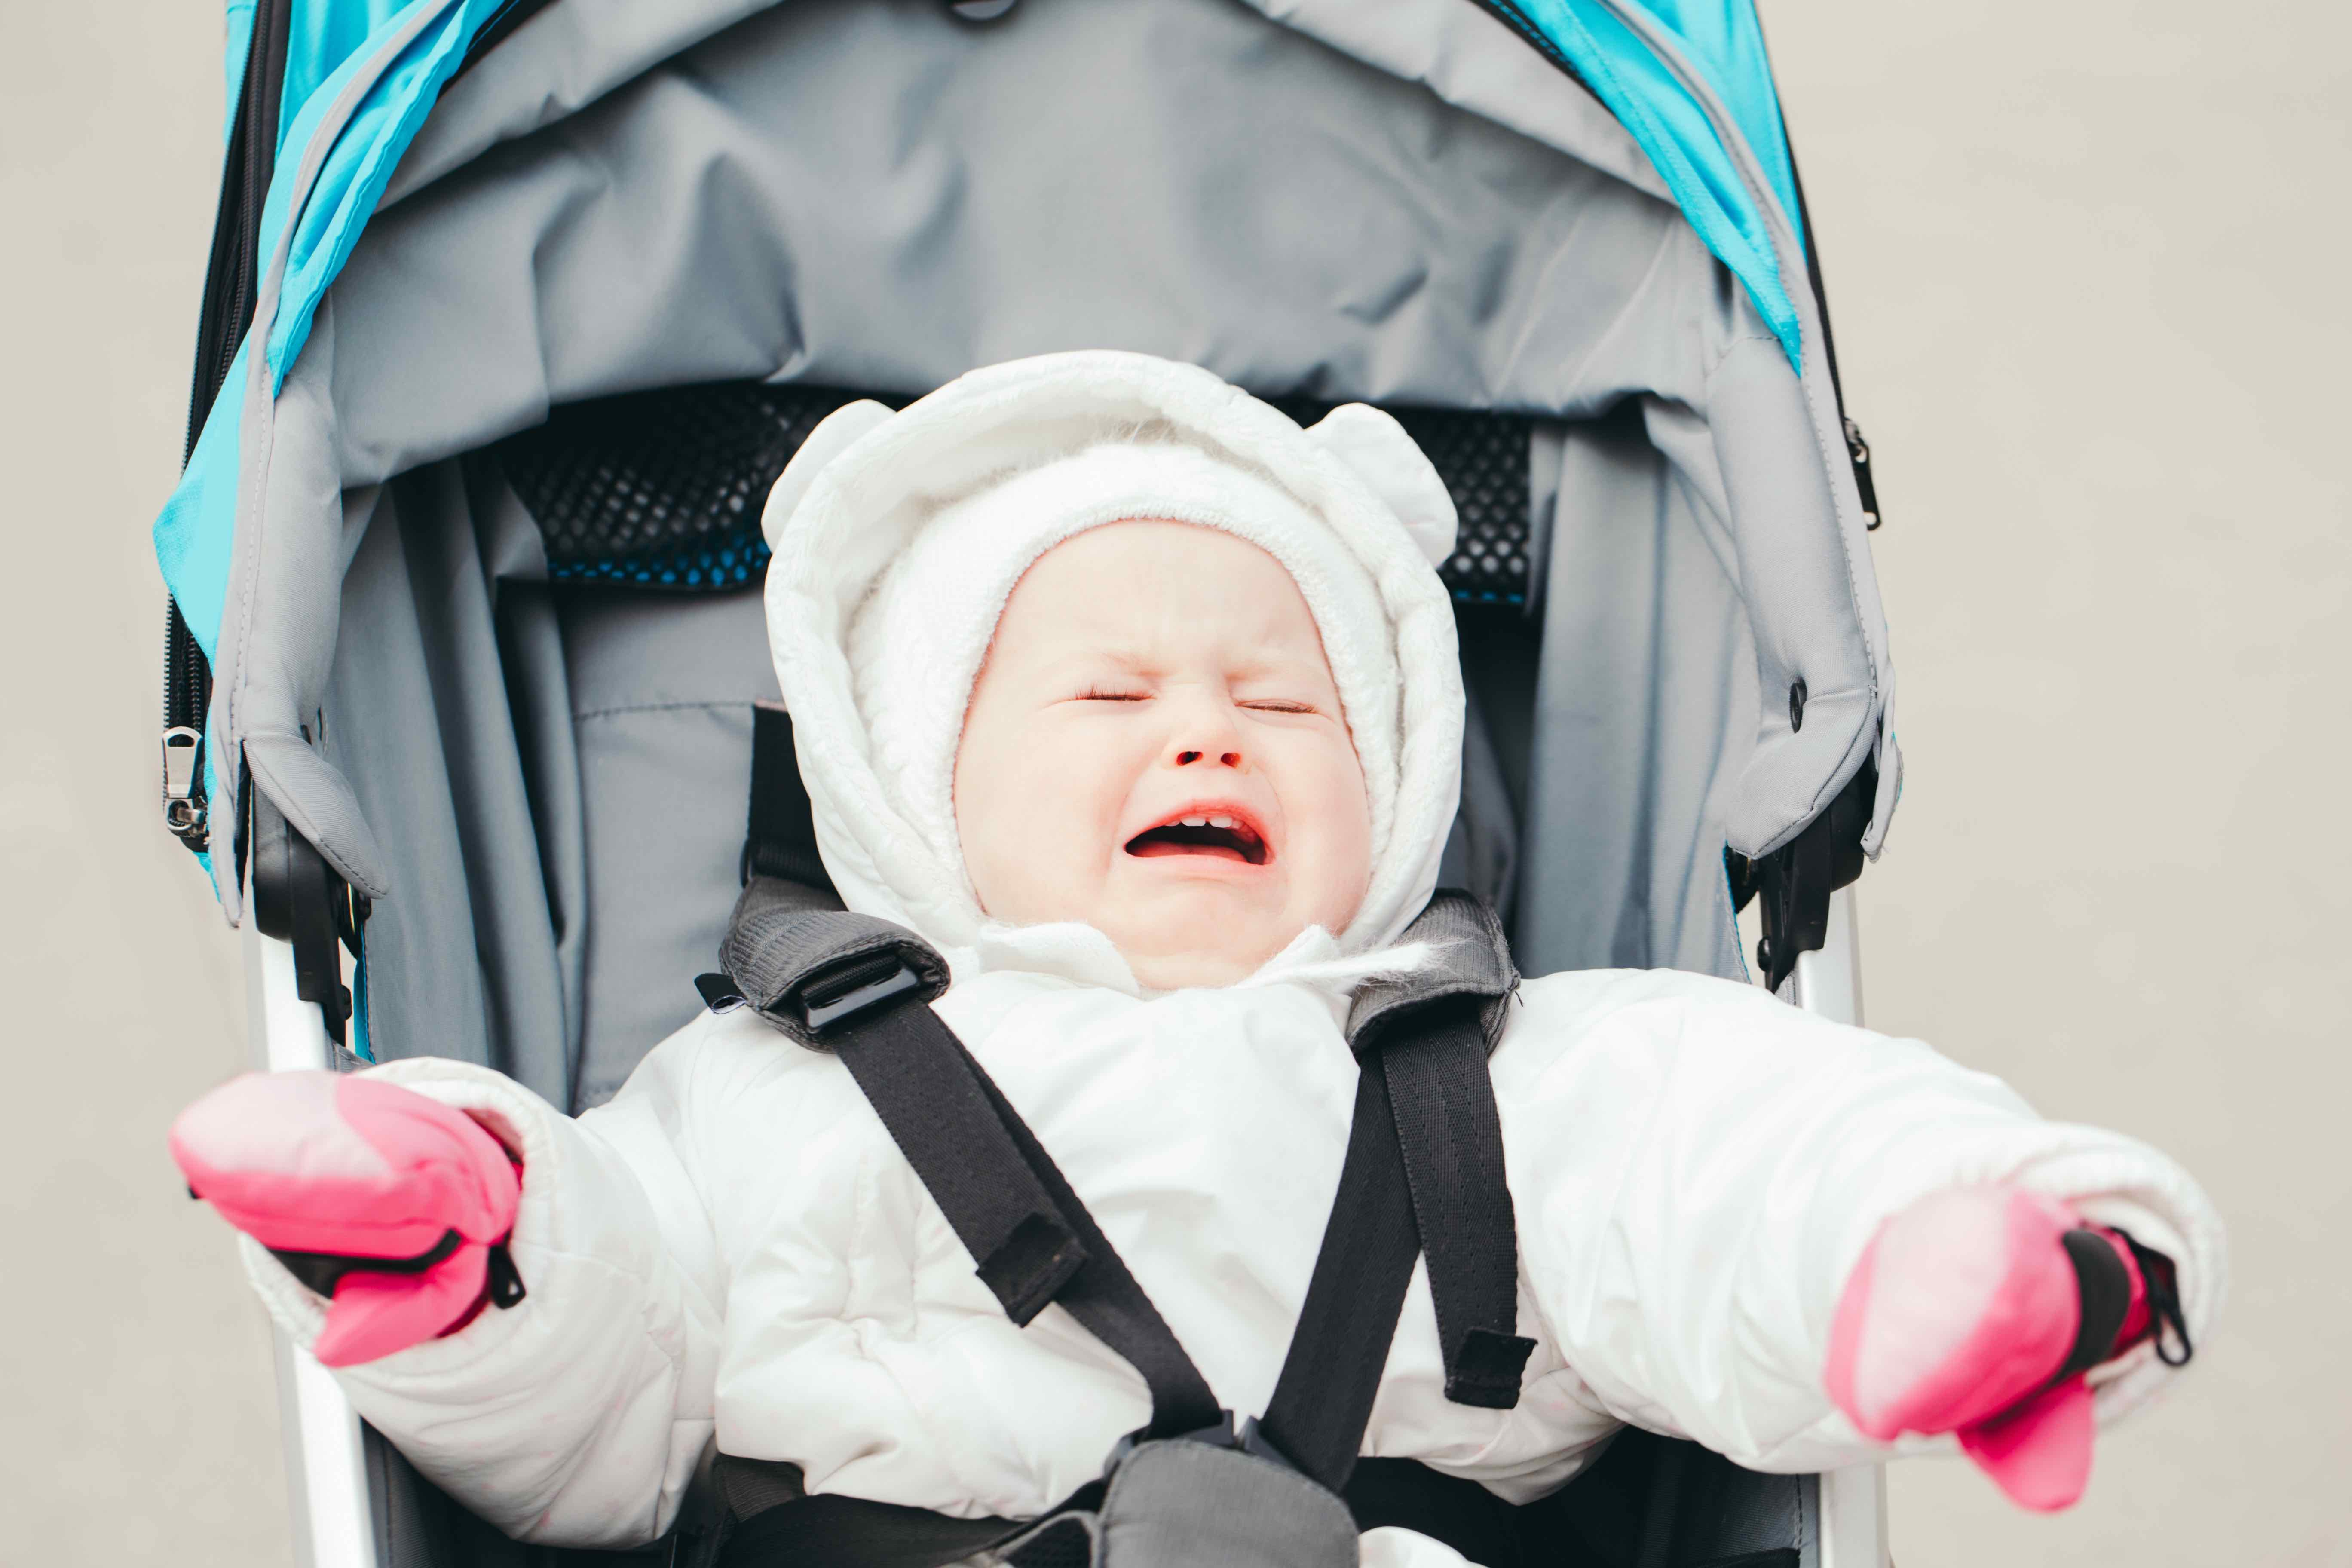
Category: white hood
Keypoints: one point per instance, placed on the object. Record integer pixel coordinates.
(998, 466)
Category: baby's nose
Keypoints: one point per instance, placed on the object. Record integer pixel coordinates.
(1201, 729)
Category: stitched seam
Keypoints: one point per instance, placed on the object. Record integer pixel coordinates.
(1730, 347)
(583, 715)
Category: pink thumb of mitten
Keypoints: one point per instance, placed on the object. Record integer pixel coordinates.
(394, 1204)
(1977, 1311)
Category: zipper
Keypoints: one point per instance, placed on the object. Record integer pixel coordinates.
(1796, 880)
(230, 284)
(187, 687)
(231, 281)
(1857, 451)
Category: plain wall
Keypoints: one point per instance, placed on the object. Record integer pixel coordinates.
(2085, 263)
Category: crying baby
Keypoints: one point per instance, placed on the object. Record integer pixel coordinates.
(1139, 704)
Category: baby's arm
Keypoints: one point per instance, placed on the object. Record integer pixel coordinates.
(575, 1417)
(1698, 1168)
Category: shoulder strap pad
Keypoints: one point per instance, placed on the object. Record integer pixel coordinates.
(1472, 969)
(810, 969)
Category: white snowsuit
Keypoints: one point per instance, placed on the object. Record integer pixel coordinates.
(733, 1249)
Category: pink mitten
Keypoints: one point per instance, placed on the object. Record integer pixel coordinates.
(395, 1205)
(1977, 1311)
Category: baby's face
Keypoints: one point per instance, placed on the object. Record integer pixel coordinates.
(1155, 747)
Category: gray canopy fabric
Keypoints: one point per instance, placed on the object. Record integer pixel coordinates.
(543, 785)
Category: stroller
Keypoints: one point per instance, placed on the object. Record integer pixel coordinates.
(518, 307)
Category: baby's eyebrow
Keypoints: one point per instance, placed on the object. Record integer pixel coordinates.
(1276, 662)
(1090, 661)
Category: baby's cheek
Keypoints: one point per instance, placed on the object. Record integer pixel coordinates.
(1335, 814)
(1060, 801)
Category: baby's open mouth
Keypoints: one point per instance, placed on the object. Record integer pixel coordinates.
(1213, 834)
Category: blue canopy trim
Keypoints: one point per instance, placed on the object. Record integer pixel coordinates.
(195, 532)
(330, 43)
(1723, 42)
(192, 536)
(321, 40)
(197, 527)
(339, 203)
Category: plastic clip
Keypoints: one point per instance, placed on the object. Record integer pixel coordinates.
(835, 998)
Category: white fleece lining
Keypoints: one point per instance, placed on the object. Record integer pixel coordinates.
(916, 644)
(835, 533)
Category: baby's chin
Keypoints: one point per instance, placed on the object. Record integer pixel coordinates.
(1177, 933)
(1192, 968)
(1217, 946)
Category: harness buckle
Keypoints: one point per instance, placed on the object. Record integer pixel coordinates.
(837, 997)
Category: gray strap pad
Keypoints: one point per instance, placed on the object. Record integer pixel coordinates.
(1473, 963)
(803, 967)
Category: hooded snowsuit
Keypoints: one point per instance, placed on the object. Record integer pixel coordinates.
(734, 1250)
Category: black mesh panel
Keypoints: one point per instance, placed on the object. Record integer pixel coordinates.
(663, 489)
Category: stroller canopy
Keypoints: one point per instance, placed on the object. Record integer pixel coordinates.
(1579, 213)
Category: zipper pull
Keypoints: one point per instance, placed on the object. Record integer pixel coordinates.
(1859, 450)
(183, 809)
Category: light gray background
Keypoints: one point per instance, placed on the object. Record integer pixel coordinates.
(2086, 262)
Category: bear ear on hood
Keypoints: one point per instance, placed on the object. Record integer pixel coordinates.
(1377, 449)
(833, 436)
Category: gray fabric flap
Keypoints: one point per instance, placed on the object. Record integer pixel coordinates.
(1470, 58)
(558, 62)
(854, 194)
(1179, 1504)
(310, 794)
(1798, 580)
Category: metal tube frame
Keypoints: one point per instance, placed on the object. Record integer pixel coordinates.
(1852, 1501)
(326, 1456)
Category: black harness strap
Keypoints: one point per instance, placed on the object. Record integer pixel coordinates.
(927, 1094)
(780, 837)
(1451, 1136)
(1106, 1298)
(1010, 1204)
(1429, 1032)
(1323, 1397)
(1423, 1174)
(833, 1531)
(858, 986)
